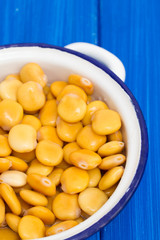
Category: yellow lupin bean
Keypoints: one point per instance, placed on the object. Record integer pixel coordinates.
(72, 89)
(25, 187)
(37, 167)
(92, 107)
(64, 165)
(13, 178)
(57, 87)
(41, 184)
(13, 76)
(49, 133)
(5, 164)
(8, 234)
(13, 221)
(82, 82)
(112, 161)
(2, 211)
(111, 148)
(68, 149)
(65, 206)
(33, 72)
(48, 114)
(50, 201)
(32, 120)
(55, 176)
(111, 177)
(49, 153)
(17, 163)
(74, 180)
(11, 113)
(85, 159)
(68, 131)
(72, 108)
(46, 90)
(60, 227)
(50, 96)
(27, 156)
(30, 95)
(31, 227)
(42, 213)
(10, 198)
(8, 89)
(5, 149)
(33, 198)
(22, 138)
(110, 191)
(88, 139)
(116, 136)
(94, 177)
(105, 121)
(91, 199)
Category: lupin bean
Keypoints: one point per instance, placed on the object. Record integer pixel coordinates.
(105, 121)
(13, 178)
(10, 198)
(74, 180)
(91, 199)
(68, 211)
(72, 108)
(111, 177)
(31, 227)
(33, 198)
(60, 227)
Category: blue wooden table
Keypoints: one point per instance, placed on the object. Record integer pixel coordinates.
(131, 30)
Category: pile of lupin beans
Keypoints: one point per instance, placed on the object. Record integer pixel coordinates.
(61, 153)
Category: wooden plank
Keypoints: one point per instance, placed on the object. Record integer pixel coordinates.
(129, 29)
(55, 22)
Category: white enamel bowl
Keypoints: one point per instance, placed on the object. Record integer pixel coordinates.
(58, 63)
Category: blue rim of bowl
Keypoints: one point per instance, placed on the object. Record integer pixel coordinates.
(144, 140)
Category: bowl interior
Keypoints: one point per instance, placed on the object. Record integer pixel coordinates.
(58, 65)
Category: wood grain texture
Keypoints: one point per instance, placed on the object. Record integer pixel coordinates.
(131, 30)
(54, 22)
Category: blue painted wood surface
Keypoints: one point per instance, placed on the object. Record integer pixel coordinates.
(131, 30)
